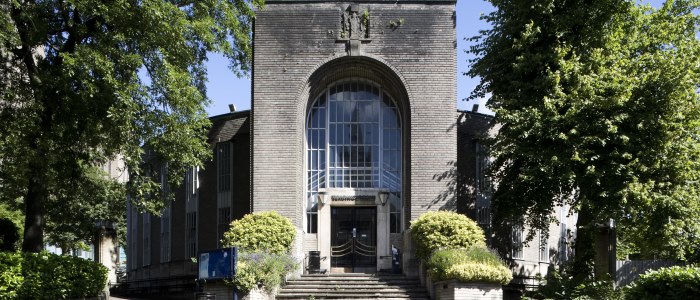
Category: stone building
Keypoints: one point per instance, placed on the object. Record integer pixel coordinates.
(352, 134)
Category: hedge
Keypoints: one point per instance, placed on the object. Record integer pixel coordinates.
(49, 276)
(442, 230)
(666, 283)
(476, 264)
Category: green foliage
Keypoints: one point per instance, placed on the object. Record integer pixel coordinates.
(17, 219)
(598, 108)
(443, 229)
(69, 230)
(87, 81)
(49, 276)
(666, 283)
(262, 268)
(475, 264)
(265, 240)
(9, 235)
(11, 279)
(560, 285)
(261, 232)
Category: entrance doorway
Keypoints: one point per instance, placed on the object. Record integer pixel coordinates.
(354, 239)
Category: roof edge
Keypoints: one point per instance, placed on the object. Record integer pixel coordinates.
(476, 113)
(235, 114)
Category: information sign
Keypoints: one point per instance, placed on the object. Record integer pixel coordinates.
(218, 264)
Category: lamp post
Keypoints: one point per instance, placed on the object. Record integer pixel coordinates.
(321, 197)
(383, 196)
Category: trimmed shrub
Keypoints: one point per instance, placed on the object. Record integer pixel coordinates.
(49, 276)
(262, 268)
(264, 231)
(442, 230)
(265, 240)
(666, 283)
(476, 264)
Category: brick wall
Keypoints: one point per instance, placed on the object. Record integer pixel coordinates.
(297, 53)
(233, 128)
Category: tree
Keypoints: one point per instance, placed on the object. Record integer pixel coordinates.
(88, 80)
(599, 107)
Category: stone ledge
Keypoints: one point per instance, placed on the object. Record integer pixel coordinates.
(453, 289)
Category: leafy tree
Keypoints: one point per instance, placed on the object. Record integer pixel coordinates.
(72, 97)
(599, 107)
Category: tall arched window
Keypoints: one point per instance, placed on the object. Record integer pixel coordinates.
(353, 140)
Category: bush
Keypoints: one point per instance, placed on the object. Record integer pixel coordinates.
(560, 285)
(49, 276)
(264, 231)
(262, 268)
(9, 235)
(476, 264)
(442, 230)
(667, 283)
(10, 275)
(265, 240)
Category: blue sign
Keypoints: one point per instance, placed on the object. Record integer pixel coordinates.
(218, 264)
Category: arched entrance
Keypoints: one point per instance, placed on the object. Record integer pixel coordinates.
(354, 173)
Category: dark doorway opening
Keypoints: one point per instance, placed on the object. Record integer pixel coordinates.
(354, 239)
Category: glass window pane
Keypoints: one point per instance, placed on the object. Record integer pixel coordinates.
(321, 139)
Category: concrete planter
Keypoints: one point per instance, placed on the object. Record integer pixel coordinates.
(222, 291)
(258, 294)
(453, 289)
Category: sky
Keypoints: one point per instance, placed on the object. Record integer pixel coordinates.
(225, 88)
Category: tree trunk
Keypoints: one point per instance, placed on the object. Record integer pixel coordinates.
(584, 247)
(37, 191)
(34, 211)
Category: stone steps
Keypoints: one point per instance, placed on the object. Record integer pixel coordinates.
(353, 286)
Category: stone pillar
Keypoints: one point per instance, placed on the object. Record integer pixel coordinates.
(383, 237)
(324, 233)
(409, 260)
(106, 252)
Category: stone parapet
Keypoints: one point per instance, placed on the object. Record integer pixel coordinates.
(453, 289)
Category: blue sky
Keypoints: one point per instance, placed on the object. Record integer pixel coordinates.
(224, 88)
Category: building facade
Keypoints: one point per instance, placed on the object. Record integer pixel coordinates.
(353, 133)
(360, 100)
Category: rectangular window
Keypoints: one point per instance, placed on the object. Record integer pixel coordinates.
(483, 219)
(224, 216)
(165, 234)
(191, 209)
(353, 137)
(391, 164)
(544, 247)
(224, 166)
(312, 213)
(146, 239)
(395, 212)
(224, 190)
(482, 164)
(517, 243)
(165, 187)
(563, 234)
(316, 159)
